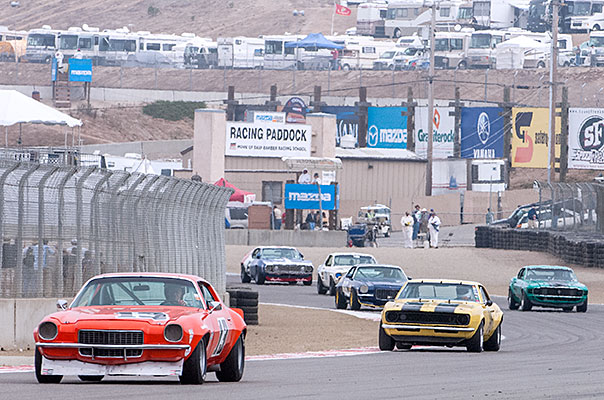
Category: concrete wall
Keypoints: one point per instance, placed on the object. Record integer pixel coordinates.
(285, 238)
(19, 319)
(153, 149)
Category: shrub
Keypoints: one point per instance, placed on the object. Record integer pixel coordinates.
(173, 110)
(153, 11)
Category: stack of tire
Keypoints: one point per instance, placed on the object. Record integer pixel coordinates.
(245, 299)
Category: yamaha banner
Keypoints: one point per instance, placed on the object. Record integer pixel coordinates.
(347, 120)
(387, 127)
(306, 197)
(481, 132)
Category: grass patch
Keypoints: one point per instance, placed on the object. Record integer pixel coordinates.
(173, 110)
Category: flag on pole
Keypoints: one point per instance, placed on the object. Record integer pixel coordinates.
(341, 10)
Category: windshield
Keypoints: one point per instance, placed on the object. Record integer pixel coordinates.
(441, 45)
(410, 51)
(597, 41)
(579, 8)
(537, 10)
(465, 13)
(68, 42)
(388, 54)
(543, 274)
(271, 254)
(133, 291)
(481, 41)
(41, 40)
(353, 260)
(439, 291)
(387, 274)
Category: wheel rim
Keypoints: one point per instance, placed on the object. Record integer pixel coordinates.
(481, 337)
(240, 354)
(203, 361)
(499, 335)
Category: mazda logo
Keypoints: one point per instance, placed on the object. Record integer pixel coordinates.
(372, 136)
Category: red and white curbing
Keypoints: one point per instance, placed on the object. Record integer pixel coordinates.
(16, 368)
(315, 354)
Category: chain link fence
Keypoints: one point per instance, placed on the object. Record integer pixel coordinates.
(61, 225)
(569, 206)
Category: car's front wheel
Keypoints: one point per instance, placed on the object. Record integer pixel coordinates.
(231, 370)
(340, 300)
(260, 278)
(476, 342)
(195, 368)
(582, 307)
(354, 300)
(525, 303)
(321, 289)
(38, 366)
(245, 278)
(403, 346)
(332, 287)
(512, 303)
(494, 341)
(385, 342)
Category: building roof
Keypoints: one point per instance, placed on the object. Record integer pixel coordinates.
(367, 153)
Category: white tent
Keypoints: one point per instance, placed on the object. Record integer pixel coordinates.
(17, 108)
(512, 53)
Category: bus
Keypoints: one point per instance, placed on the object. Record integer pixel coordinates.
(41, 45)
(12, 44)
(404, 18)
(453, 47)
(582, 16)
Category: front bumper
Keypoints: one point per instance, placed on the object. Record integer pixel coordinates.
(288, 277)
(556, 300)
(76, 367)
(424, 334)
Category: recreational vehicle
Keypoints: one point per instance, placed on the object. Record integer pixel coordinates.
(499, 14)
(481, 51)
(370, 18)
(404, 18)
(361, 53)
(201, 53)
(582, 16)
(241, 52)
(453, 47)
(41, 45)
(12, 44)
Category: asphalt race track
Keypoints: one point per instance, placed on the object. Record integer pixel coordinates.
(545, 354)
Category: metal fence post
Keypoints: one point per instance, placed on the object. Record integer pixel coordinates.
(95, 223)
(20, 225)
(117, 218)
(5, 287)
(77, 278)
(42, 251)
(61, 290)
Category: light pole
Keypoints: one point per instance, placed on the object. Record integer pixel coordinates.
(431, 102)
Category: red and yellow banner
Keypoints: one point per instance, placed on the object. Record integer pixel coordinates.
(530, 138)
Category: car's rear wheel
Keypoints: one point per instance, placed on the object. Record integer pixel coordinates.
(340, 300)
(44, 378)
(195, 368)
(403, 346)
(385, 342)
(245, 278)
(476, 342)
(231, 370)
(321, 289)
(354, 300)
(332, 287)
(512, 303)
(260, 278)
(494, 341)
(91, 378)
(525, 303)
(582, 307)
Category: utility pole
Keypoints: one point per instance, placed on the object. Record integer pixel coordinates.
(457, 114)
(431, 103)
(410, 114)
(553, 72)
(507, 132)
(363, 106)
(564, 134)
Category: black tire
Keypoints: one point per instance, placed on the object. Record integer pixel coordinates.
(582, 307)
(475, 344)
(397, 33)
(235, 302)
(252, 322)
(462, 65)
(340, 299)
(354, 300)
(321, 289)
(249, 310)
(525, 303)
(403, 346)
(250, 315)
(385, 342)
(241, 293)
(44, 378)
(567, 309)
(195, 368)
(260, 278)
(494, 341)
(332, 287)
(307, 283)
(231, 370)
(91, 378)
(540, 64)
(245, 278)
(512, 303)
(596, 27)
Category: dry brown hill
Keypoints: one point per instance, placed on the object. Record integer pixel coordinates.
(211, 18)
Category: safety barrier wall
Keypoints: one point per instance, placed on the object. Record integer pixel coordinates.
(285, 238)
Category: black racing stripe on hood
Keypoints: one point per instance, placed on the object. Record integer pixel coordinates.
(446, 308)
(412, 306)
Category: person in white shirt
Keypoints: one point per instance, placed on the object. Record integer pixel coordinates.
(315, 179)
(407, 223)
(304, 179)
(434, 226)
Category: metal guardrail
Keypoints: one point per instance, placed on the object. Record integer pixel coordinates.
(63, 224)
(570, 206)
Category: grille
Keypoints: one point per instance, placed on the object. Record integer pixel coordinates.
(558, 291)
(385, 294)
(427, 318)
(110, 337)
(112, 353)
(286, 269)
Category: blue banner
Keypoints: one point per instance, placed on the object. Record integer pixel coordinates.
(80, 70)
(482, 132)
(387, 128)
(306, 197)
(347, 120)
(53, 70)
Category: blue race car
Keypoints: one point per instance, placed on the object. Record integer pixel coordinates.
(276, 264)
(369, 285)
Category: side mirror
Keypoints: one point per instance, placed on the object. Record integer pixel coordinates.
(301, 255)
(61, 305)
(489, 303)
(215, 306)
(258, 256)
(409, 278)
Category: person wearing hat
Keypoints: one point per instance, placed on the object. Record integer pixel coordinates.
(305, 178)
(423, 223)
(434, 226)
(407, 223)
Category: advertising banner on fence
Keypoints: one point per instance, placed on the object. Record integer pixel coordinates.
(586, 138)
(481, 132)
(306, 197)
(530, 137)
(347, 120)
(267, 139)
(80, 70)
(444, 129)
(387, 127)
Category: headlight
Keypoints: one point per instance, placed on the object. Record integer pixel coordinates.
(173, 333)
(48, 330)
(269, 268)
(308, 268)
(338, 275)
(275, 268)
(364, 289)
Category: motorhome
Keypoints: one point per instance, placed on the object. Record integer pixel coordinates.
(161, 49)
(241, 52)
(361, 53)
(370, 18)
(582, 16)
(116, 47)
(278, 56)
(453, 47)
(86, 40)
(12, 44)
(41, 45)
(201, 53)
(481, 52)
(404, 18)
(498, 14)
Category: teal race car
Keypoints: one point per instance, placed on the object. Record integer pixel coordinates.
(547, 286)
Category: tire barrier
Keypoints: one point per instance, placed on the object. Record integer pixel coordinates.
(577, 248)
(245, 299)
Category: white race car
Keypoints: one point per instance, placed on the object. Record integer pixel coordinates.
(335, 266)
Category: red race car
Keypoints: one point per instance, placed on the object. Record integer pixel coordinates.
(150, 324)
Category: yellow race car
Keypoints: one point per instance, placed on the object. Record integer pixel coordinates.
(441, 313)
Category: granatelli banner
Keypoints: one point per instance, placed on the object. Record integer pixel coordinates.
(530, 138)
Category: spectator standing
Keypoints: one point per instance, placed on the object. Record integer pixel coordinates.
(592, 56)
(334, 59)
(277, 216)
(407, 222)
(489, 216)
(315, 179)
(423, 223)
(78, 55)
(533, 219)
(29, 275)
(87, 266)
(304, 179)
(434, 226)
(311, 220)
(417, 216)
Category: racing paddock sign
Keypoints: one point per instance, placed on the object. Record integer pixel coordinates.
(267, 139)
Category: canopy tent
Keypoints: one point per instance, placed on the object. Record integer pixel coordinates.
(17, 108)
(512, 53)
(314, 41)
(239, 195)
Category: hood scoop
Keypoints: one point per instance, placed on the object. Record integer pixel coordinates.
(155, 316)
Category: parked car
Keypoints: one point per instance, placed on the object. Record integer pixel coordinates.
(378, 215)
(369, 285)
(441, 313)
(361, 235)
(335, 266)
(276, 264)
(237, 215)
(142, 324)
(547, 286)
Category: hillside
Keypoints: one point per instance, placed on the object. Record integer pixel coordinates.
(211, 18)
